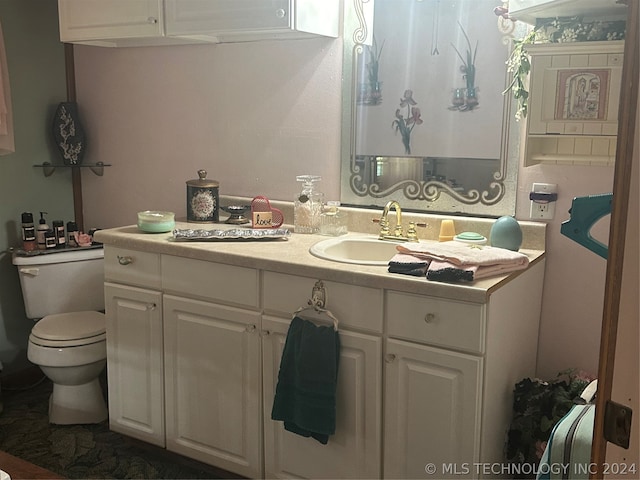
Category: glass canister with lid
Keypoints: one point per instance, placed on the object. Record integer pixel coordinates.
(202, 199)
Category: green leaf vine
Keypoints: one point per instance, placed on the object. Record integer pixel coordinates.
(519, 66)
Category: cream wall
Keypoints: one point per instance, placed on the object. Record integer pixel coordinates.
(253, 115)
(256, 115)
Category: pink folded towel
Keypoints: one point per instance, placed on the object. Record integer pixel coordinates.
(448, 272)
(462, 254)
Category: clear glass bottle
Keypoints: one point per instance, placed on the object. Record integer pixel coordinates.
(333, 220)
(307, 206)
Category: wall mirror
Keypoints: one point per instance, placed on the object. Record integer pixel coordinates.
(425, 120)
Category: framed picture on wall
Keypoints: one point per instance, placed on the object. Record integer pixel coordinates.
(582, 95)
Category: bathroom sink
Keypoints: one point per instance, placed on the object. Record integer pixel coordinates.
(363, 250)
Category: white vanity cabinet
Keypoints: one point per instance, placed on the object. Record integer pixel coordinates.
(450, 369)
(354, 451)
(184, 372)
(212, 363)
(426, 370)
(433, 385)
(133, 306)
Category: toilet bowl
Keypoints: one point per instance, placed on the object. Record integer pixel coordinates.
(65, 291)
(70, 349)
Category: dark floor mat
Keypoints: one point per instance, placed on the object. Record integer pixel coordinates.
(81, 451)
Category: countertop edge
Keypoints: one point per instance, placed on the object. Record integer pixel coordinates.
(268, 255)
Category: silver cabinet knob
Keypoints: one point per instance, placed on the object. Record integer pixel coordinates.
(152, 20)
(429, 318)
(126, 260)
(250, 328)
(281, 13)
(151, 306)
(390, 357)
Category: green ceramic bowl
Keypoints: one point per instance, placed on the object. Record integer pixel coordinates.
(152, 221)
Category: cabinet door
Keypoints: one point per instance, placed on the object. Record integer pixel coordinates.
(100, 19)
(354, 450)
(134, 362)
(234, 20)
(212, 378)
(431, 413)
(198, 16)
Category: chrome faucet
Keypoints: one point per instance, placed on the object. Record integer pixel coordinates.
(398, 232)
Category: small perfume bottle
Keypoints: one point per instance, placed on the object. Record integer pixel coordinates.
(333, 220)
(307, 206)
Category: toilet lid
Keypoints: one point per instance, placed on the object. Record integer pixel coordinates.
(70, 326)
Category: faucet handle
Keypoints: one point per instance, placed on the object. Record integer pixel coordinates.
(412, 231)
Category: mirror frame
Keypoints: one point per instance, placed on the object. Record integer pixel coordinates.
(424, 196)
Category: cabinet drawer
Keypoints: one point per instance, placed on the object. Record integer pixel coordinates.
(209, 280)
(435, 321)
(354, 306)
(132, 267)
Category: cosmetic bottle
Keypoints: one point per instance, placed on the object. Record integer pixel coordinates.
(307, 206)
(333, 221)
(58, 229)
(50, 239)
(29, 243)
(72, 228)
(41, 231)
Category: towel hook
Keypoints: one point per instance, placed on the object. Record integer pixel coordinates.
(318, 296)
(318, 302)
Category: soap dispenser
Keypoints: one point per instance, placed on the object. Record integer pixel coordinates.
(307, 206)
(41, 232)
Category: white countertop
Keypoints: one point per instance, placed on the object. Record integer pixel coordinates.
(291, 256)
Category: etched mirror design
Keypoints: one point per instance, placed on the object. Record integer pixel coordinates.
(425, 120)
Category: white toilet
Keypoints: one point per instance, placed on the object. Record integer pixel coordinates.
(65, 291)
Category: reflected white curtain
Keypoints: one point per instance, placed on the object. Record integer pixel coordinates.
(6, 118)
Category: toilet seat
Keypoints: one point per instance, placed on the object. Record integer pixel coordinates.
(71, 329)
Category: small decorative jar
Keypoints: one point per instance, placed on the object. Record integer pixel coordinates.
(202, 199)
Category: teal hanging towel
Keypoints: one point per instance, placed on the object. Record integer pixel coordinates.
(305, 398)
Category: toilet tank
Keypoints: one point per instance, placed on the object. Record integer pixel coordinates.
(59, 282)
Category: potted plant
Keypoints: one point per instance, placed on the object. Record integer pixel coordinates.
(537, 406)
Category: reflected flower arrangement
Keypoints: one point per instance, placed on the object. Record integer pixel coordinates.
(406, 125)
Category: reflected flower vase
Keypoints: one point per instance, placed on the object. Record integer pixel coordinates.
(458, 97)
(68, 133)
(472, 98)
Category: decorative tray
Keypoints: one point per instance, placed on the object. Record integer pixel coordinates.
(231, 234)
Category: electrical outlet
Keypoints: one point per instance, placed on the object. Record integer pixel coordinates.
(541, 210)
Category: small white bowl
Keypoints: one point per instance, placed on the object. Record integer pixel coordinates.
(152, 221)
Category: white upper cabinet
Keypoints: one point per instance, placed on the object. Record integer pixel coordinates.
(116, 23)
(231, 20)
(530, 10)
(107, 23)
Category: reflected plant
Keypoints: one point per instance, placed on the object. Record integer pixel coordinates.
(406, 125)
(373, 64)
(468, 69)
(370, 92)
